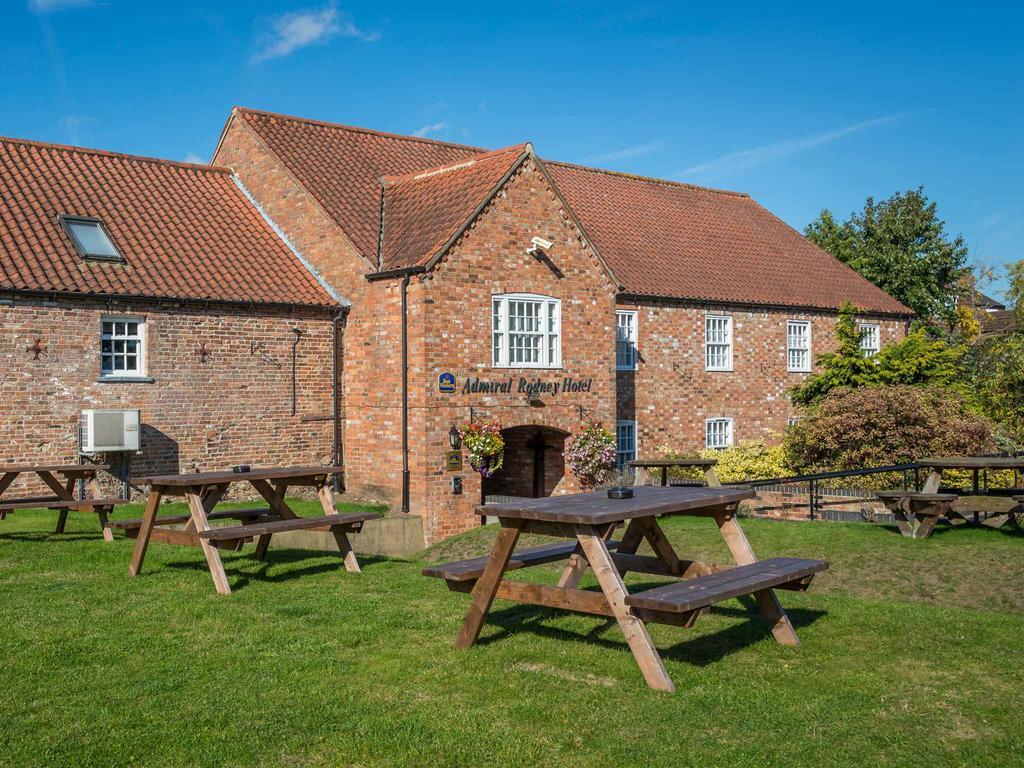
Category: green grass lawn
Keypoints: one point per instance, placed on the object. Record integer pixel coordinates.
(912, 655)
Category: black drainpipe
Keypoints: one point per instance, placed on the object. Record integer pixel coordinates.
(405, 274)
(337, 454)
(405, 394)
(295, 382)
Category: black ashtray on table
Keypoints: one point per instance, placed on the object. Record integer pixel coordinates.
(620, 492)
(241, 468)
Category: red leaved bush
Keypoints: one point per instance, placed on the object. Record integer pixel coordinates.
(876, 426)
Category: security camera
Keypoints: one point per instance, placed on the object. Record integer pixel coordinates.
(540, 245)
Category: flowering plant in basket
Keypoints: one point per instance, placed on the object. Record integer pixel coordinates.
(485, 445)
(590, 454)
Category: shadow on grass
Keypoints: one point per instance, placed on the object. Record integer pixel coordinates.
(942, 529)
(40, 537)
(699, 651)
(243, 568)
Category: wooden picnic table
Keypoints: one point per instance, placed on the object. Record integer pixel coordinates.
(204, 490)
(588, 521)
(63, 498)
(979, 466)
(643, 469)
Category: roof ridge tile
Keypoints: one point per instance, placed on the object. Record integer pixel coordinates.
(116, 155)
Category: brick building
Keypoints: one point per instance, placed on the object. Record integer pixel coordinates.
(468, 285)
(678, 314)
(129, 282)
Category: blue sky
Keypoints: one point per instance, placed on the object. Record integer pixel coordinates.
(803, 106)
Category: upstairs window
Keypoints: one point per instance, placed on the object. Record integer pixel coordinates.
(798, 346)
(625, 341)
(717, 343)
(526, 331)
(90, 238)
(718, 433)
(625, 443)
(870, 339)
(122, 347)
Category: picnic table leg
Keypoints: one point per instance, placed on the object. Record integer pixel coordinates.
(577, 565)
(630, 542)
(61, 492)
(275, 500)
(142, 540)
(101, 513)
(344, 545)
(62, 518)
(743, 554)
(6, 480)
(711, 478)
(664, 476)
(199, 507)
(486, 586)
(633, 628)
(934, 481)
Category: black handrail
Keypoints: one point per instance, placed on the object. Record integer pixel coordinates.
(794, 479)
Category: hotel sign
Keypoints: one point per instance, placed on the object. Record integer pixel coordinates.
(524, 386)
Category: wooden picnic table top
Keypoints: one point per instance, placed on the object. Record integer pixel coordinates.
(596, 508)
(59, 468)
(673, 462)
(973, 462)
(189, 479)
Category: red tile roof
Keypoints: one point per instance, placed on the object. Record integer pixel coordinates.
(423, 211)
(185, 231)
(663, 238)
(659, 238)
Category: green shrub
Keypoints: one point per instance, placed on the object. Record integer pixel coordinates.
(876, 426)
(748, 460)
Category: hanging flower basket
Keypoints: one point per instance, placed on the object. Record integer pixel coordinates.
(485, 445)
(590, 455)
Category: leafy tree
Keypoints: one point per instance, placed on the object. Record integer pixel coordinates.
(919, 359)
(900, 245)
(996, 376)
(1015, 295)
(876, 426)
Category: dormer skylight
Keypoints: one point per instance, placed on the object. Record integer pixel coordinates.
(90, 238)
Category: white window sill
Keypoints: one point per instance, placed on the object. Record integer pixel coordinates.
(125, 380)
(718, 370)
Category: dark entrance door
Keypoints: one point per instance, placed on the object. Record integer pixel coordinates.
(534, 465)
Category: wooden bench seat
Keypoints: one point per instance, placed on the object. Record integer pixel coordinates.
(224, 514)
(349, 522)
(10, 506)
(472, 569)
(936, 499)
(694, 594)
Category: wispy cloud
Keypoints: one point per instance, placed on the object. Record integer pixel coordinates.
(746, 159)
(431, 128)
(71, 125)
(311, 26)
(192, 157)
(637, 150)
(48, 6)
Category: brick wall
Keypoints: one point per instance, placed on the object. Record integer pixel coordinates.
(234, 408)
(450, 331)
(671, 394)
(371, 368)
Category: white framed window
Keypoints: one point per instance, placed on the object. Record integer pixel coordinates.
(792, 421)
(122, 347)
(718, 433)
(798, 346)
(870, 339)
(625, 340)
(717, 343)
(625, 443)
(526, 331)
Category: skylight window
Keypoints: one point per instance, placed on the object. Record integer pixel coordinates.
(90, 238)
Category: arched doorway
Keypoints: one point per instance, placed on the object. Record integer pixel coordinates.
(534, 464)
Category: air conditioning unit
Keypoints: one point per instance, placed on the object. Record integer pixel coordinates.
(107, 431)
